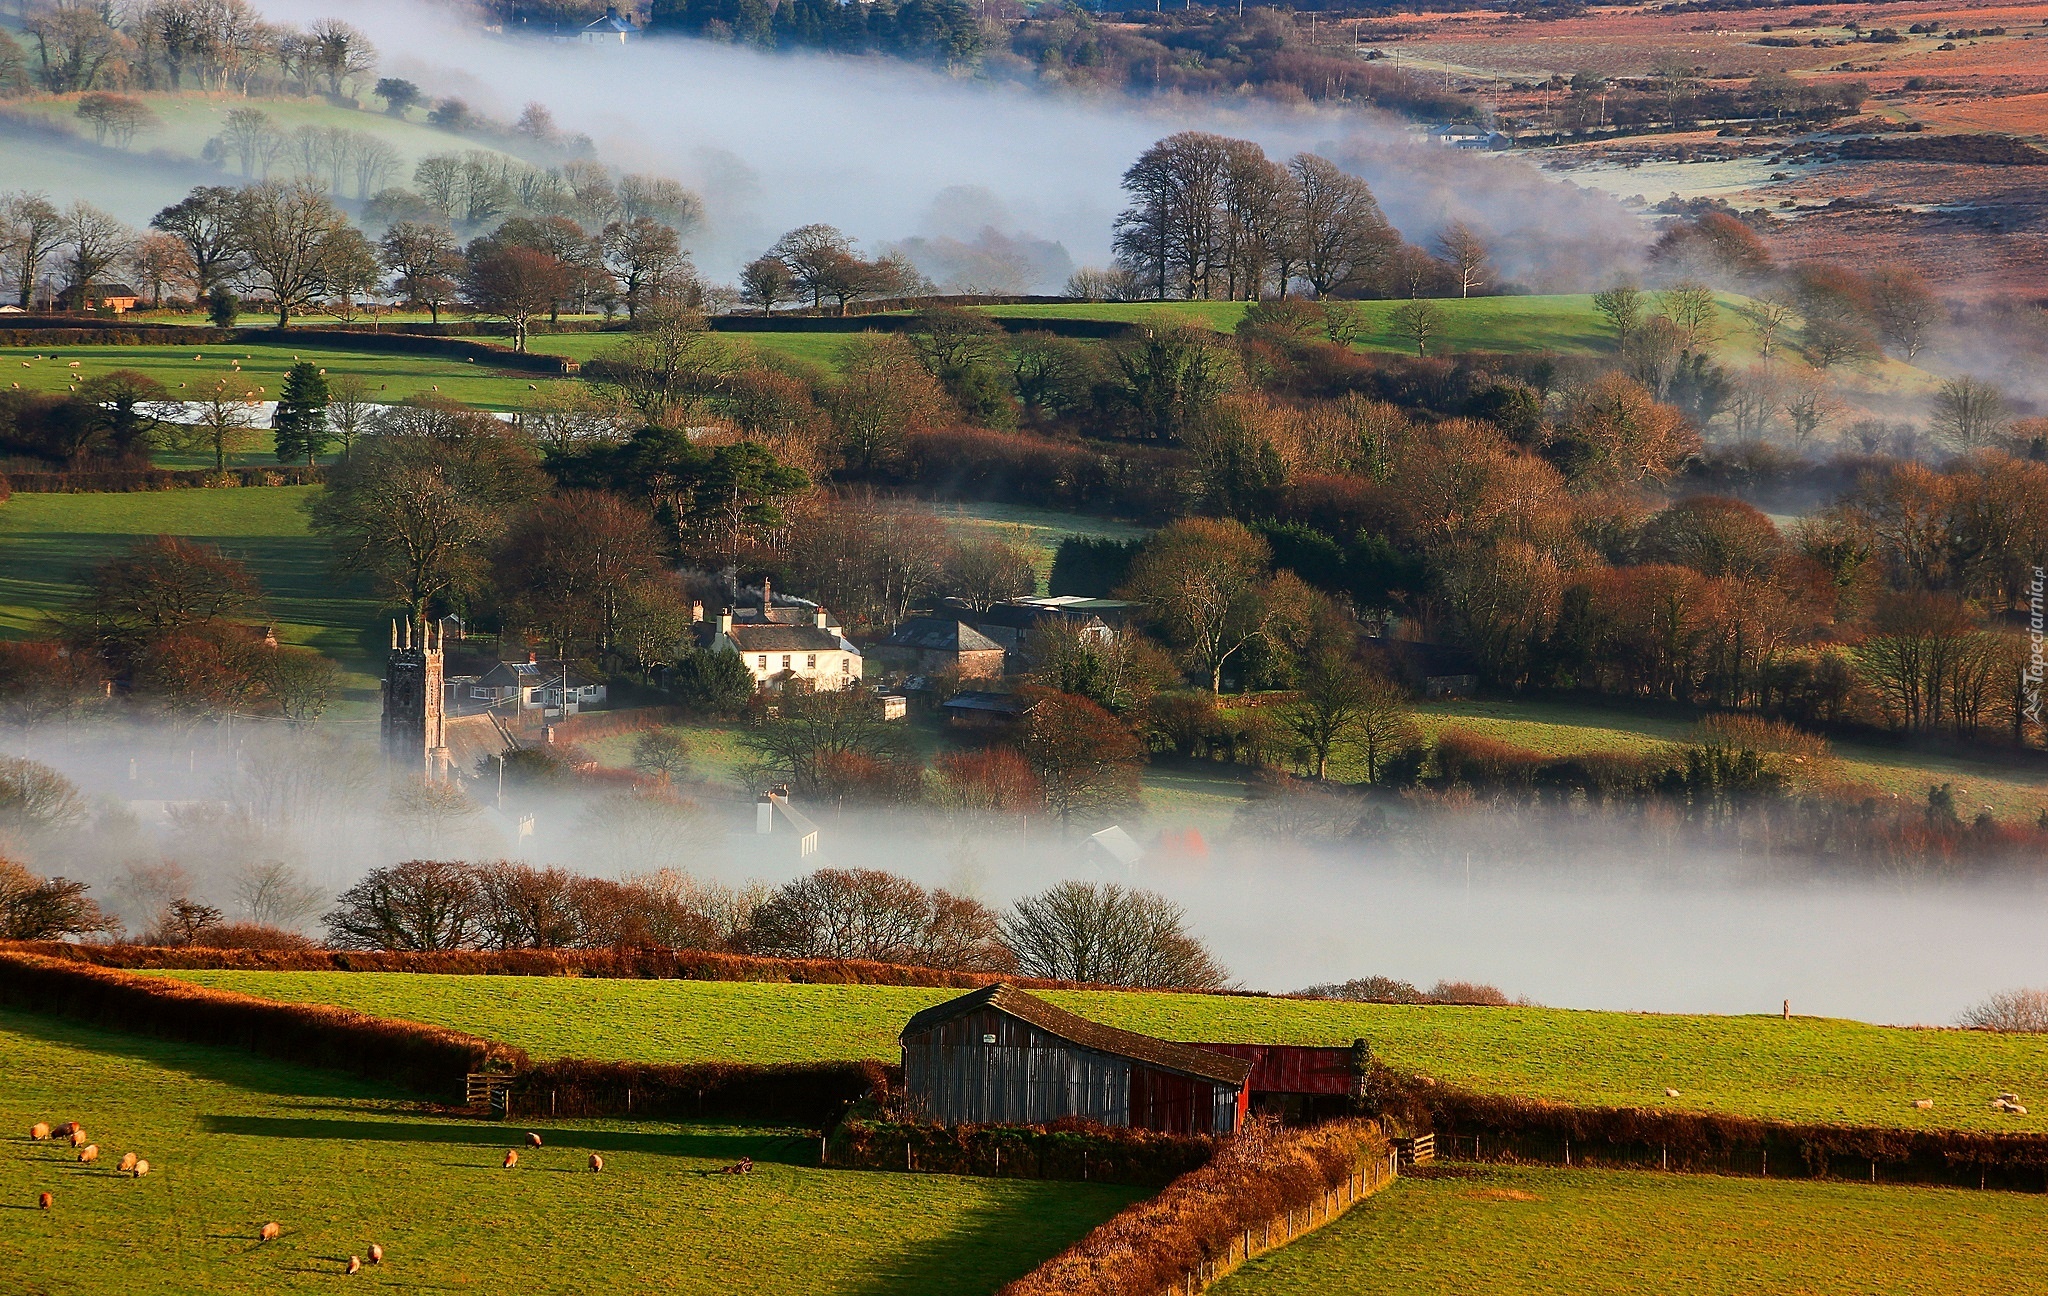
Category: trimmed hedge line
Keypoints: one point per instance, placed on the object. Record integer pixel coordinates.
(158, 479)
(649, 963)
(812, 1095)
(427, 1059)
(1509, 1128)
(1066, 1149)
(1202, 1218)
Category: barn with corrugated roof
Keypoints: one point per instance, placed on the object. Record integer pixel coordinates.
(1000, 1056)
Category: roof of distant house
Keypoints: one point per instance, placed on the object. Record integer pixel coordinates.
(1027, 616)
(1165, 1054)
(611, 22)
(105, 290)
(760, 638)
(940, 634)
(993, 703)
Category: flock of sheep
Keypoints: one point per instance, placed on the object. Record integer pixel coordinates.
(89, 1152)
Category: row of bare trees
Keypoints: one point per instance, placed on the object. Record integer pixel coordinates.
(218, 45)
(1214, 217)
(1073, 931)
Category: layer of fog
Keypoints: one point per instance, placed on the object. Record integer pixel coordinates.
(889, 151)
(1556, 921)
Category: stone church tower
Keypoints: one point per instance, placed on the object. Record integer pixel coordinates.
(415, 731)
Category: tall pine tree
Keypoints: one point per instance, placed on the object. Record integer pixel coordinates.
(301, 421)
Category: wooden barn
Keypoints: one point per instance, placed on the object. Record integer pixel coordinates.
(999, 1056)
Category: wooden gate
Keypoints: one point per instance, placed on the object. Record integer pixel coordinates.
(492, 1091)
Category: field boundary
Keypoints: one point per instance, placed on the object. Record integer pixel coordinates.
(1504, 1128)
(426, 1059)
(1262, 1190)
(339, 339)
(640, 963)
(1070, 1149)
(115, 481)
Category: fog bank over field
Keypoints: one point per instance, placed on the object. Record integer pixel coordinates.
(1690, 934)
(1563, 921)
(890, 151)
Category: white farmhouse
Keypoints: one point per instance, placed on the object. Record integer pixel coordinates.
(794, 640)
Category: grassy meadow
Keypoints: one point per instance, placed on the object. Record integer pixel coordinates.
(1807, 1069)
(48, 540)
(1543, 1232)
(235, 1142)
(1565, 729)
(187, 370)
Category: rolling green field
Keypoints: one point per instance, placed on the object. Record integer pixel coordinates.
(1566, 323)
(392, 377)
(1807, 1069)
(1563, 729)
(235, 1141)
(47, 540)
(1531, 1232)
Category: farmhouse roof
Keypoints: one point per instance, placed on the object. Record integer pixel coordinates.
(978, 700)
(611, 22)
(1027, 616)
(940, 634)
(113, 290)
(760, 638)
(1166, 1054)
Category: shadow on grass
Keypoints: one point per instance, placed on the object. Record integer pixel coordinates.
(995, 1242)
(711, 1144)
(218, 1063)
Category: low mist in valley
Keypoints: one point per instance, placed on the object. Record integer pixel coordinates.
(1563, 921)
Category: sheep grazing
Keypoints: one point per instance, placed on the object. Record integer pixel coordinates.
(66, 1130)
(532, 1139)
(1924, 1104)
(596, 1163)
(268, 1233)
(127, 1162)
(89, 1153)
(376, 1254)
(511, 1159)
(355, 1264)
(44, 1201)
(78, 1138)
(39, 1131)
(141, 1169)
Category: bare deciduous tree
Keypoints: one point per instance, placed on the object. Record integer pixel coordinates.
(1465, 252)
(1101, 932)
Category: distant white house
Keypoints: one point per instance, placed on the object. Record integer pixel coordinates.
(612, 29)
(538, 685)
(783, 642)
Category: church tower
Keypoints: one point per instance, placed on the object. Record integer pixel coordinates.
(415, 732)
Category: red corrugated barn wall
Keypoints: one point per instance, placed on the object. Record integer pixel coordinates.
(1179, 1104)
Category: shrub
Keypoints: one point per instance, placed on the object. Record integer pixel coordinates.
(1372, 989)
(2010, 1010)
(1252, 1180)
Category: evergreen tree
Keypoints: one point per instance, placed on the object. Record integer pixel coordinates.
(301, 421)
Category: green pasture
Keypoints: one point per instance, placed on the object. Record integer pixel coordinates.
(47, 541)
(824, 350)
(1566, 323)
(188, 370)
(187, 121)
(235, 1142)
(2011, 791)
(1544, 1232)
(1806, 1069)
